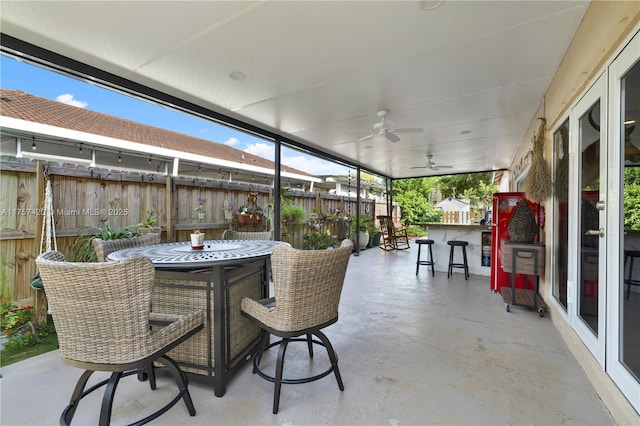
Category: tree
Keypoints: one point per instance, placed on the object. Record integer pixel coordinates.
(416, 208)
(632, 198)
(413, 194)
(458, 184)
(413, 197)
(480, 196)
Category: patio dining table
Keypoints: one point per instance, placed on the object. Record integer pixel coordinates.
(215, 279)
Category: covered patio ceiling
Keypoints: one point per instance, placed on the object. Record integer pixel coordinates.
(470, 74)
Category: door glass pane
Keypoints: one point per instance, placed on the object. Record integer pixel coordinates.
(630, 291)
(561, 229)
(589, 140)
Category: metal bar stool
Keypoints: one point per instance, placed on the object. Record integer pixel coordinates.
(464, 265)
(429, 262)
(630, 255)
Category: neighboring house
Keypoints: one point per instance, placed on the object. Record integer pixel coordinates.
(346, 186)
(40, 128)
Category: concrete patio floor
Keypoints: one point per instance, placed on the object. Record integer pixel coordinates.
(412, 350)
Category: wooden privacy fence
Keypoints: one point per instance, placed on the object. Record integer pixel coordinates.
(95, 198)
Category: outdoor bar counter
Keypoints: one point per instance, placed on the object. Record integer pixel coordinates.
(478, 250)
(213, 279)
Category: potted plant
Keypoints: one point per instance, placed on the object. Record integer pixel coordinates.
(361, 229)
(200, 209)
(197, 239)
(374, 233)
(147, 225)
(250, 212)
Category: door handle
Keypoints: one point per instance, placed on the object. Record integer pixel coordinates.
(600, 205)
(598, 232)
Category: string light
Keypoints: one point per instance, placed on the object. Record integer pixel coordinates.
(149, 158)
(80, 149)
(119, 157)
(33, 144)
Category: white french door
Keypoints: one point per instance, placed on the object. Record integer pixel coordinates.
(623, 315)
(588, 205)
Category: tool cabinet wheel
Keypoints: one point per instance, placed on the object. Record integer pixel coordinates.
(507, 308)
(541, 312)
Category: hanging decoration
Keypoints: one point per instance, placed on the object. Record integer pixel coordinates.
(561, 179)
(48, 235)
(538, 184)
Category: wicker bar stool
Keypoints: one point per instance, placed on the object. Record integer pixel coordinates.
(104, 323)
(429, 262)
(464, 265)
(307, 286)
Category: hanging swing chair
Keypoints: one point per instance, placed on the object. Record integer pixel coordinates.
(48, 234)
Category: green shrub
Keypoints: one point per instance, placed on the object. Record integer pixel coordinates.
(416, 231)
(81, 249)
(290, 213)
(20, 326)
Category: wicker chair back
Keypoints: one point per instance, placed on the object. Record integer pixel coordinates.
(104, 248)
(307, 286)
(241, 235)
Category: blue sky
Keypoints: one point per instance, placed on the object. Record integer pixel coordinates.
(40, 82)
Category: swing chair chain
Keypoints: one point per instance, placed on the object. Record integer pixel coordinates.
(45, 169)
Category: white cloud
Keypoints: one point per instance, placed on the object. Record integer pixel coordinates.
(314, 166)
(67, 98)
(262, 150)
(232, 141)
(309, 164)
(293, 158)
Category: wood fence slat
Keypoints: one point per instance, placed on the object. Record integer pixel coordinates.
(7, 270)
(9, 200)
(24, 268)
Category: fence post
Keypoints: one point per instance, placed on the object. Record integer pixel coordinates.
(169, 205)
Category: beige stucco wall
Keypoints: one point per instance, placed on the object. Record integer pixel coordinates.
(605, 29)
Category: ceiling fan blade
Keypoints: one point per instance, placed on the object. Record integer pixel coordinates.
(392, 137)
(366, 138)
(409, 130)
(419, 167)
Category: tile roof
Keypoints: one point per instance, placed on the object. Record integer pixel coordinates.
(24, 106)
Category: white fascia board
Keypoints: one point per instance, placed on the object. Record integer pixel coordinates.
(46, 130)
(300, 177)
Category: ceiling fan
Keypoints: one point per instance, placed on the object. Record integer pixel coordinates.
(431, 165)
(380, 129)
